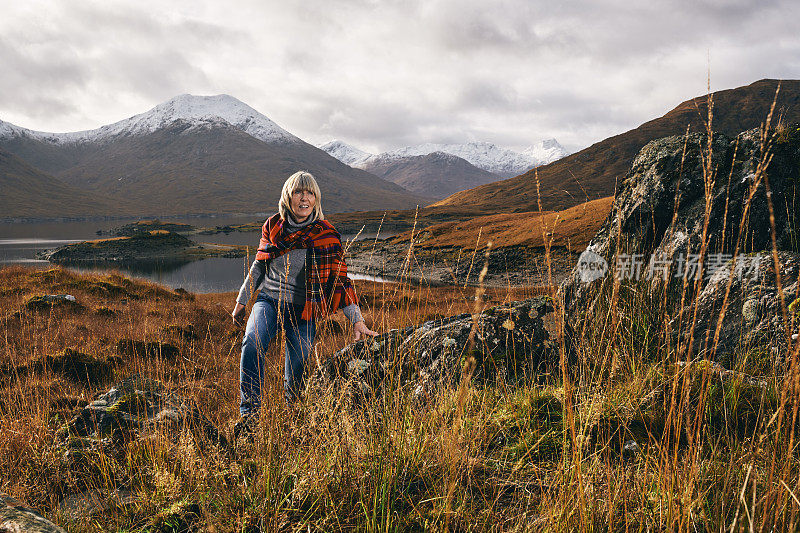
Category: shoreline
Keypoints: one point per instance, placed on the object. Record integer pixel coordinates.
(513, 266)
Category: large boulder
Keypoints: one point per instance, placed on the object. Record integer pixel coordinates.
(509, 340)
(658, 215)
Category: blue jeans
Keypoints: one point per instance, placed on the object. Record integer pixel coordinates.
(262, 326)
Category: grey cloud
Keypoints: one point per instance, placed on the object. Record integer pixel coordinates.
(104, 48)
(25, 70)
(157, 76)
(485, 93)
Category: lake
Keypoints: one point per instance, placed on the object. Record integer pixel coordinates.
(20, 242)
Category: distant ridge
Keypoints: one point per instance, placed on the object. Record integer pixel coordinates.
(484, 155)
(436, 175)
(594, 172)
(346, 153)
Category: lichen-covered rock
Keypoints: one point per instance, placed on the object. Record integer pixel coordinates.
(16, 517)
(131, 408)
(753, 319)
(508, 339)
(659, 212)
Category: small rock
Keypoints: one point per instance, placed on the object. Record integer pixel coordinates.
(631, 448)
(357, 367)
(131, 407)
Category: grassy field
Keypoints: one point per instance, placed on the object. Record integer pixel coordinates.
(537, 456)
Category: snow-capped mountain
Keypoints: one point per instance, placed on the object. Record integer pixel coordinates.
(484, 155)
(346, 153)
(197, 155)
(194, 110)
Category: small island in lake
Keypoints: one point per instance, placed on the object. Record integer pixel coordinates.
(143, 241)
(146, 226)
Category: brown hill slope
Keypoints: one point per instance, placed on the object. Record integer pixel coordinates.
(30, 193)
(593, 172)
(571, 228)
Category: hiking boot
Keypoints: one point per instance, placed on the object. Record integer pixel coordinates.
(245, 427)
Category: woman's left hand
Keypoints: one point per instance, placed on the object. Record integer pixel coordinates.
(361, 330)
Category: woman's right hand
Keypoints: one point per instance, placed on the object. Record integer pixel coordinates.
(238, 315)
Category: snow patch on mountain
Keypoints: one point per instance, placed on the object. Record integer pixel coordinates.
(200, 111)
(491, 157)
(546, 151)
(346, 153)
(8, 129)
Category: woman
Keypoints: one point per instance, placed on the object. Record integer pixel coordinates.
(301, 276)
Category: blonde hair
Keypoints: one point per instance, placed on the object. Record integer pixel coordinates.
(299, 181)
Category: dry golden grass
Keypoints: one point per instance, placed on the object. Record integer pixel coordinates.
(572, 228)
(112, 308)
(625, 439)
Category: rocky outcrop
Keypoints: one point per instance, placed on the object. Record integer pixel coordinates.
(509, 340)
(658, 216)
(16, 517)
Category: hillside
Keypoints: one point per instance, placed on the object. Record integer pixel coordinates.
(594, 172)
(435, 175)
(571, 229)
(28, 192)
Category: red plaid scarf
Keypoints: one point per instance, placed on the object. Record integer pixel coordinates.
(327, 286)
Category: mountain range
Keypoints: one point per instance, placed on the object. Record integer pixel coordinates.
(196, 155)
(439, 170)
(189, 155)
(503, 162)
(594, 172)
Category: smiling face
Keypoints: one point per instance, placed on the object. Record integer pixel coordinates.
(303, 203)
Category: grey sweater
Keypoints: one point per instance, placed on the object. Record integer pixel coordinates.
(284, 278)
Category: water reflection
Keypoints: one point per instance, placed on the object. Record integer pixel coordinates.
(136, 268)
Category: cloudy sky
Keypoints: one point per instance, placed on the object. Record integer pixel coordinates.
(385, 74)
